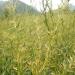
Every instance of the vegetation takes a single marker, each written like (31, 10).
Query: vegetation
(41, 44)
(18, 7)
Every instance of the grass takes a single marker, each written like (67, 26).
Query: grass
(28, 46)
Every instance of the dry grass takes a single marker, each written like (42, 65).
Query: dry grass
(27, 47)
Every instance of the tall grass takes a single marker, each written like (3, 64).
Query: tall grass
(38, 45)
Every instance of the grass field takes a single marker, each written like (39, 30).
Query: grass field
(30, 46)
